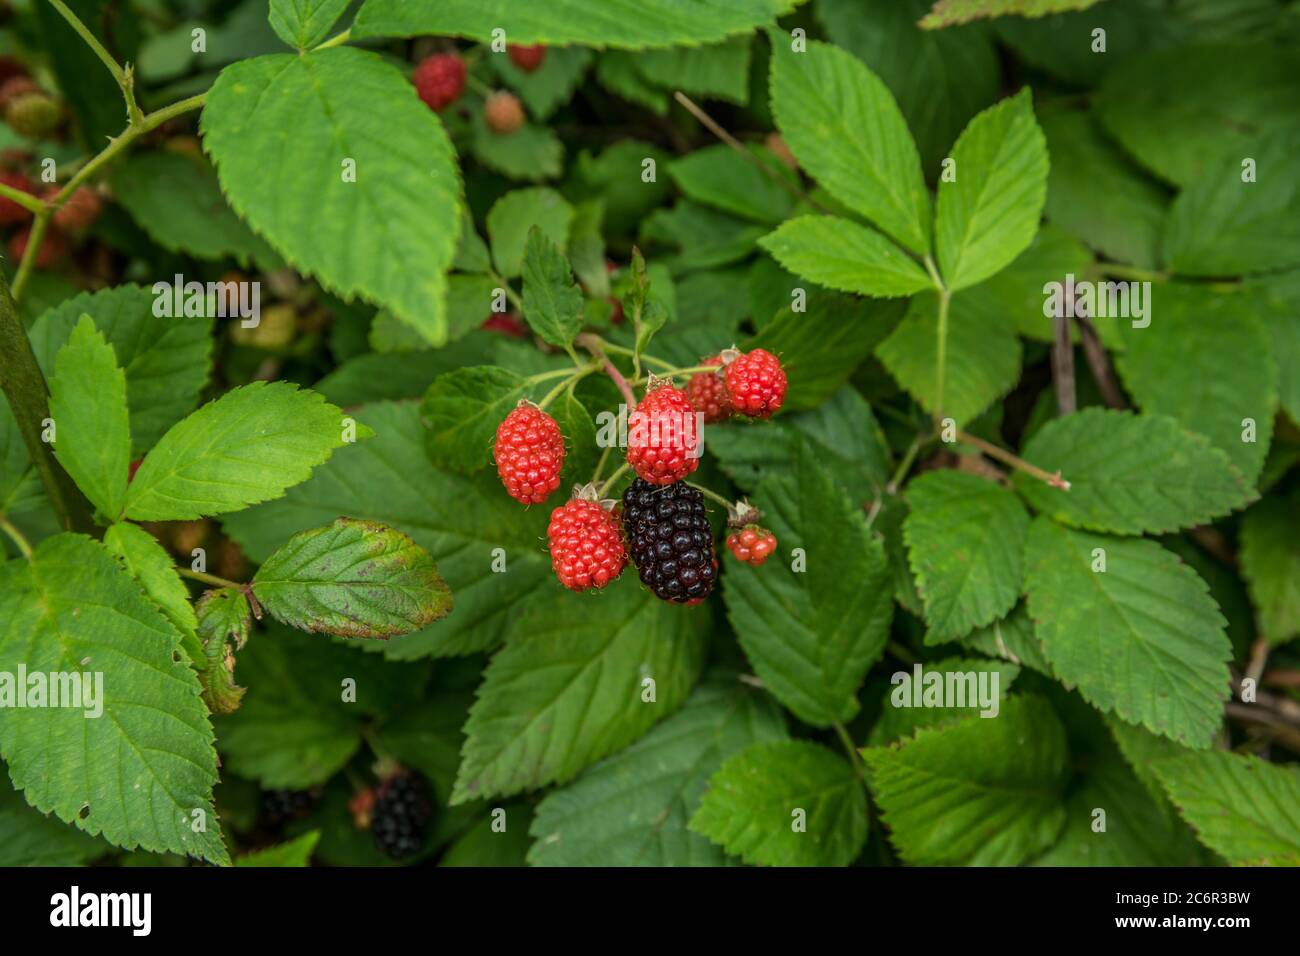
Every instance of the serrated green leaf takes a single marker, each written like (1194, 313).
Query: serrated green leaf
(460, 521)
(552, 302)
(390, 231)
(166, 360)
(246, 447)
(812, 633)
(988, 213)
(707, 239)
(719, 70)
(1279, 298)
(1011, 639)
(304, 23)
(966, 536)
(513, 217)
(531, 153)
(1206, 360)
(1243, 808)
(631, 24)
(903, 708)
(751, 805)
(550, 85)
(1129, 474)
(88, 406)
(1143, 638)
(567, 687)
(224, 621)
(842, 255)
(580, 449)
(462, 410)
(983, 355)
(30, 838)
(981, 792)
(1270, 563)
(946, 13)
(146, 560)
(631, 809)
(139, 771)
(718, 176)
(295, 852)
(353, 578)
(843, 125)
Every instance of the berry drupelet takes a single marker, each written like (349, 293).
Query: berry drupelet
(670, 540)
(402, 810)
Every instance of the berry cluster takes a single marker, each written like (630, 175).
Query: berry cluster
(751, 544)
(440, 81)
(400, 814)
(749, 383)
(282, 806)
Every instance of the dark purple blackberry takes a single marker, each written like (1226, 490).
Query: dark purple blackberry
(281, 806)
(403, 807)
(670, 540)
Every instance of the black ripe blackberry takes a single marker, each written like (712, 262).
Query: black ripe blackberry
(403, 807)
(281, 806)
(670, 540)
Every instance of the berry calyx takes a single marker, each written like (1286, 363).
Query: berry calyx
(752, 544)
(756, 383)
(662, 436)
(10, 212)
(52, 250)
(529, 454)
(401, 812)
(708, 393)
(79, 212)
(503, 113)
(440, 80)
(670, 540)
(586, 544)
(527, 58)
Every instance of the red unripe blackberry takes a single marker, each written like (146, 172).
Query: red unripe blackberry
(80, 211)
(529, 454)
(662, 436)
(527, 58)
(586, 543)
(708, 393)
(53, 248)
(401, 812)
(440, 80)
(10, 212)
(670, 540)
(756, 383)
(505, 323)
(15, 86)
(503, 112)
(752, 544)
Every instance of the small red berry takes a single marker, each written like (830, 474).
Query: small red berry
(615, 310)
(586, 543)
(756, 383)
(708, 393)
(529, 453)
(131, 469)
(15, 86)
(663, 438)
(80, 211)
(505, 323)
(527, 58)
(440, 80)
(10, 212)
(752, 544)
(503, 113)
(52, 249)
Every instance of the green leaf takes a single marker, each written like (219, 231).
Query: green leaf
(166, 360)
(1143, 638)
(1018, 289)
(983, 356)
(1280, 303)
(142, 769)
(88, 407)
(989, 212)
(941, 78)
(20, 487)
(1270, 563)
(1206, 360)
(965, 535)
(224, 622)
(513, 217)
(1129, 474)
(1243, 808)
(460, 521)
(567, 687)
(552, 302)
(980, 792)
(755, 799)
(580, 449)
(618, 73)
(531, 153)
(176, 200)
(904, 710)
(549, 86)
(1085, 164)
(247, 446)
(948, 12)
(354, 578)
(304, 23)
(630, 24)
(812, 633)
(484, 846)
(842, 255)
(30, 838)
(388, 233)
(1011, 639)
(296, 852)
(720, 70)
(720, 177)
(1223, 225)
(843, 125)
(462, 410)
(631, 809)
(146, 560)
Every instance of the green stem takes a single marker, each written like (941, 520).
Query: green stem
(29, 400)
(904, 466)
(208, 578)
(713, 495)
(24, 546)
(501, 282)
(91, 41)
(600, 465)
(933, 270)
(622, 350)
(337, 40)
(33, 204)
(609, 482)
(478, 86)
(941, 358)
(594, 344)
(855, 758)
(34, 240)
